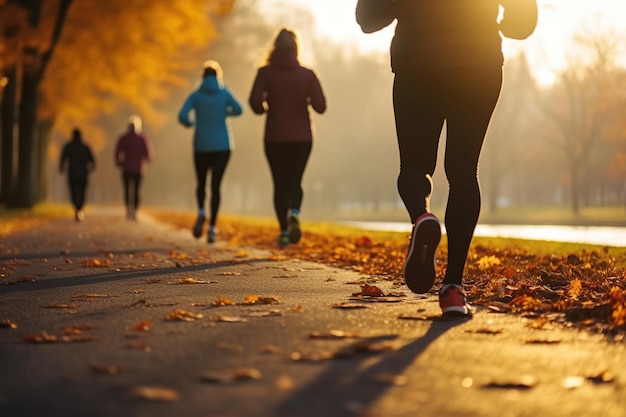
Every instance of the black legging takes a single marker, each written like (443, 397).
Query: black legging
(287, 161)
(132, 185)
(465, 99)
(77, 192)
(216, 162)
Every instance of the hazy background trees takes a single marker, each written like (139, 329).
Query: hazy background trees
(562, 144)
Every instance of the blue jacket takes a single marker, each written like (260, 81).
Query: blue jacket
(211, 104)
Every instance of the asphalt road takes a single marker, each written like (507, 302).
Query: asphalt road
(116, 318)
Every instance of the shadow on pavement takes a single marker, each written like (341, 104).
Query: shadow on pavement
(70, 281)
(348, 384)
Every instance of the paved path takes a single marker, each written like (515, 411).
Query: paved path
(103, 289)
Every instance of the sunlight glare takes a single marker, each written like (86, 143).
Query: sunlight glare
(548, 49)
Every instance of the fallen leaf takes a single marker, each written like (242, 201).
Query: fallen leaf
(78, 329)
(45, 337)
(524, 382)
(194, 281)
(61, 306)
(603, 377)
(255, 299)
(154, 393)
(230, 376)
(268, 313)
(229, 319)
(7, 324)
(542, 341)
(334, 334)
(141, 326)
(312, 356)
(223, 301)
(182, 315)
(95, 263)
(484, 330)
(370, 291)
(349, 306)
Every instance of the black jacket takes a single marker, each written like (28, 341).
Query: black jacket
(79, 159)
(447, 33)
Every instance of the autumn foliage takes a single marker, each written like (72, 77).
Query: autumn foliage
(586, 289)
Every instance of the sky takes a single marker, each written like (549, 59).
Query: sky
(547, 49)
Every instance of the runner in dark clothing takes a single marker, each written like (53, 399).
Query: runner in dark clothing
(284, 90)
(447, 59)
(132, 153)
(77, 159)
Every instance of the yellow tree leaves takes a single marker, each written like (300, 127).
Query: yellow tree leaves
(122, 51)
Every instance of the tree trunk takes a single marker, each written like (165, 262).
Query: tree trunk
(43, 133)
(27, 171)
(7, 124)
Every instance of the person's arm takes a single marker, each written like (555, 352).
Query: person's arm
(316, 95)
(519, 19)
(257, 95)
(374, 15)
(183, 114)
(91, 161)
(233, 107)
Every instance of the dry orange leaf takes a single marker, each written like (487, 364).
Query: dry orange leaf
(61, 306)
(194, 281)
(370, 291)
(183, 315)
(223, 301)
(179, 255)
(45, 337)
(7, 324)
(334, 334)
(154, 393)
(142, 326)
(96, 263)
(255, 299)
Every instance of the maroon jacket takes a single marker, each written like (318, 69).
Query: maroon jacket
(284, 90)
(132, 152)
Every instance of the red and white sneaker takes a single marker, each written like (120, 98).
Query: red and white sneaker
(420, 264)
(453, 302)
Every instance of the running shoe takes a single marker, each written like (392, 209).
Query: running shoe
(453, 302)
(212, 235)
(197, 228)
(420, 264)
(294, 227)
(283, 240)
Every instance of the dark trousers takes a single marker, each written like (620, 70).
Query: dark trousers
(216, 162)
(78, 189)
(132, 186)
(287, 163)
(465, 99)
